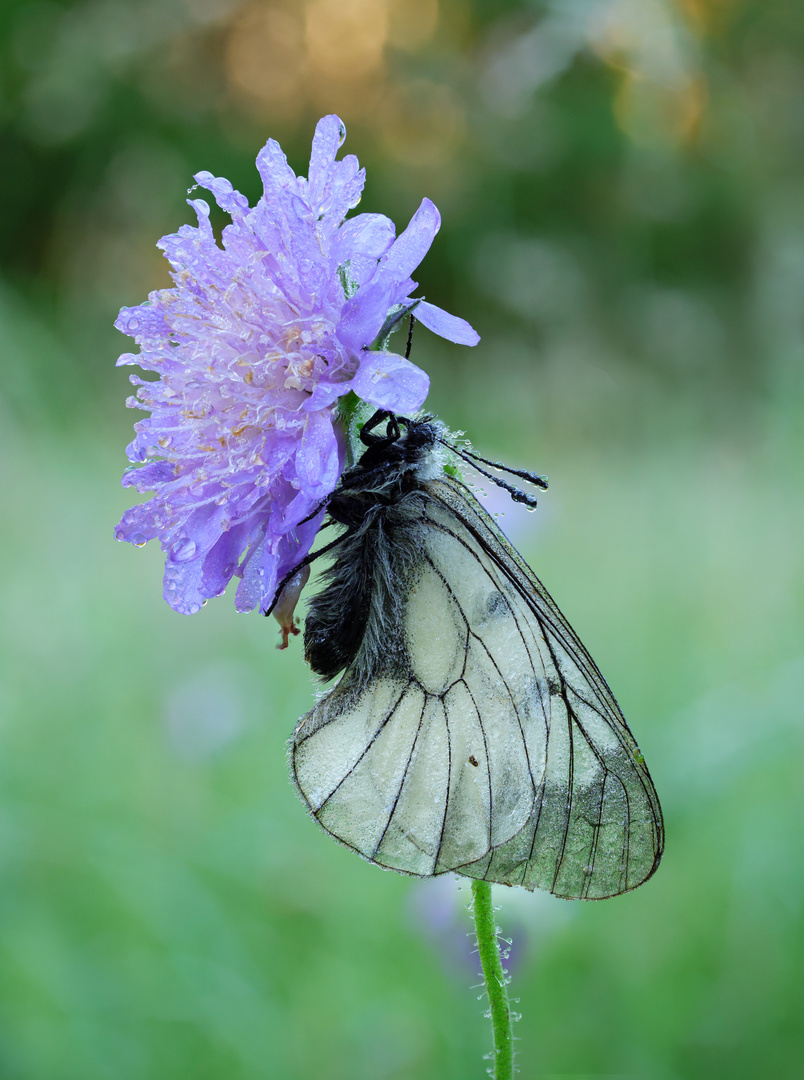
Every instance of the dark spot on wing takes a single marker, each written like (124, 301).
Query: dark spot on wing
(496, 604)
(473, 760)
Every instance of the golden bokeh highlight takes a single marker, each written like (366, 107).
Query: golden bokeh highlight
(411, 23)
(422, 123)
(663, 93)
(694, 13)
(345, 39)
(708, 16)
(265, 57)
(283, 58)
(652, 114)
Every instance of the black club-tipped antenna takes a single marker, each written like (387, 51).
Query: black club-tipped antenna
(517, 494)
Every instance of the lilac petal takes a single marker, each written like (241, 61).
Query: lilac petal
(276, 174)
(317, 463)
(412, 245)
(182, 586)
(330, 135)
(136, 526)
(226, 196)
(391, 382)
(363, 315)
(150, 476)
(221, 562)
(259, 574)
(333, 187)
(291, 551)
(367, 234)
(285, 519)
(141, 323)
(204, 524)
(326, 394)
(445, 325)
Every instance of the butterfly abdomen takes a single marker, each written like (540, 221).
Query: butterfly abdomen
(336, 618)
(357, 615)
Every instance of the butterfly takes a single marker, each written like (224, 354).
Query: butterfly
(469, 731)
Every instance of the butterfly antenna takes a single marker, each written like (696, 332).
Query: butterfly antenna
(516, 493)
(523, 474)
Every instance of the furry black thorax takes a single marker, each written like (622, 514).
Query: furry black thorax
(355, 620)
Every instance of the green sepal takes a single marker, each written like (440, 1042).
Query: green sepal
(392, 320)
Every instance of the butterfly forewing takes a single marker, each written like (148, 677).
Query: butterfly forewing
(596, 829)
(492, 746)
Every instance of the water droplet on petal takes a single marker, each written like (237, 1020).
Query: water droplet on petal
(183, 551)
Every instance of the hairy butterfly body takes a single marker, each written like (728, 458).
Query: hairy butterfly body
(470, 730)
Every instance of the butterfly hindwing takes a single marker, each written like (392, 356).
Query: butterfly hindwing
(491, 746)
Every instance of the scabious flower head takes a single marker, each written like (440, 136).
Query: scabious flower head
(253, 347)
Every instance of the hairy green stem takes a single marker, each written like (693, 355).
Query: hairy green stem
(495, 980)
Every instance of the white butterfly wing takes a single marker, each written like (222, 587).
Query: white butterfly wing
(488, 743)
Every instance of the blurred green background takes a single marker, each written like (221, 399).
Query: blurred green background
(621, 188)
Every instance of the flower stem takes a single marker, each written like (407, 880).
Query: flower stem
(495, 981)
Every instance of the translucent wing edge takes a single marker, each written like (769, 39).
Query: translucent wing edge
(456, 498)
(315, 715)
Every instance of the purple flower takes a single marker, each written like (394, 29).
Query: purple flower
(253, 346)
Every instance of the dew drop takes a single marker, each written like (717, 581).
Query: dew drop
(183, 551)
